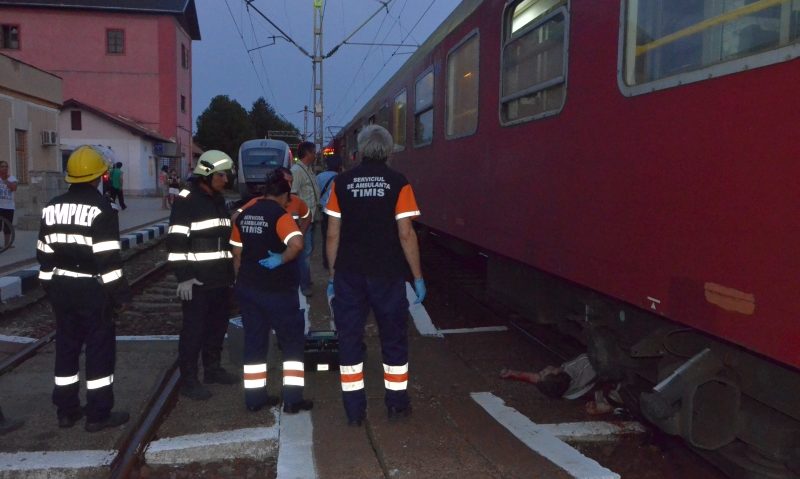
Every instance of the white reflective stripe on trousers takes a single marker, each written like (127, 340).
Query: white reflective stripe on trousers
(66, 380)
(293, 374)
(100, 383)
(352, 377)
(45, 275)
(255, 375)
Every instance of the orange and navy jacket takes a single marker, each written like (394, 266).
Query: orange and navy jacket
(261, 227)
(369, 200)
(296, 207)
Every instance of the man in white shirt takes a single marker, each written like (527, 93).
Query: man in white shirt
(8, 185)
(305, 186)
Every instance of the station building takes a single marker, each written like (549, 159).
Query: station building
(30, 99)
(126, 64)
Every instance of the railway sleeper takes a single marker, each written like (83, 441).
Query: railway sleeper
(733, 407)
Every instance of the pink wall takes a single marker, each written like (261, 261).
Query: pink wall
(144, 83)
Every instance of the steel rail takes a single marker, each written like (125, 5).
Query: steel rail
(32, 348)
(134, 443)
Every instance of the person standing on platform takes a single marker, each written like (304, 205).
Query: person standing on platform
(324, 181)
(116, 185)
(163, 182)
(199, 251)
(371, 247)
(266, 243)
(8, 185)
(306, 187)
(81, 272)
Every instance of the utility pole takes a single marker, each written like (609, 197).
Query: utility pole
(317, 77)
(305, 122)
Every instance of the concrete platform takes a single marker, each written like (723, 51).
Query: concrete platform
(41, 448)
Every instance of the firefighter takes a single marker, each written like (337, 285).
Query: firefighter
(199, 252)
(371, 247)
(81, 271)
(266, 243)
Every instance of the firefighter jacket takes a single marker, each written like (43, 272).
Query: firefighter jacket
(198, 239)
(79, 238)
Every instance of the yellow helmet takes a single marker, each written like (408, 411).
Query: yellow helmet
(213, 161)
(84, 165)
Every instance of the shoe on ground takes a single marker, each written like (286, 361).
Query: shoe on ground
(395, 413)
(192, 389)
(218, 375)
(295, 407)
(270, 402)
(357, 422)
(69, 420)
(10, 425)
(115, 419)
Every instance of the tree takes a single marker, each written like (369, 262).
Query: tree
(263, 118)
(224, 126)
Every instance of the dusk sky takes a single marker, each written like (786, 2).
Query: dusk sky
(282, 74)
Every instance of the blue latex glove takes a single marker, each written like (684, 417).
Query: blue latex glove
(419, 288)
(329, 291)
(272, 261)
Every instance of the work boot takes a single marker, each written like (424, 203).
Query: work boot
(218, 375)
(396, 413)
(270, 402)
(8, 425)
(117, 418)
(296, 407)
(192, 389)
(69, 420)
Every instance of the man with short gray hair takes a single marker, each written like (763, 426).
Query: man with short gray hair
(372, 247)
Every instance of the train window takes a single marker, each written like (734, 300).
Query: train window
(423, 109)
(462, 87)
(399, 121)
(534, 62)
(668, 43)
(383, 116)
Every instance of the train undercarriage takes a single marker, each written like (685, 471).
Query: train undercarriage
(739, 410)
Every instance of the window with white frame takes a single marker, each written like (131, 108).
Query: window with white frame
(423, 110)
(399, 110)
(462, 88)
(534, 60)
(665, 38)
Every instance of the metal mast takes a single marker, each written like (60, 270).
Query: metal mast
(317, 77)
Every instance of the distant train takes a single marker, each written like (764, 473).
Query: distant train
(256, 159)
(629, 169)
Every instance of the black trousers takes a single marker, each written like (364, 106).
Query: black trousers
(117, 193)
(205, 322)
(83, 317)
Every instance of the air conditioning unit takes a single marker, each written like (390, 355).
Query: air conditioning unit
(49, 137)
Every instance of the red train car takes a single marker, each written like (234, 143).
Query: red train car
(637, 161)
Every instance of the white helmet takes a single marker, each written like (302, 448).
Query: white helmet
(213, 161)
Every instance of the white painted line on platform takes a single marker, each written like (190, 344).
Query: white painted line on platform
(420, 316)
(593, 431)
(484, 329)
(17, 339)
(296, 447)
(252, 443)
(542, 441)
(163, 337)
(46, 460)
